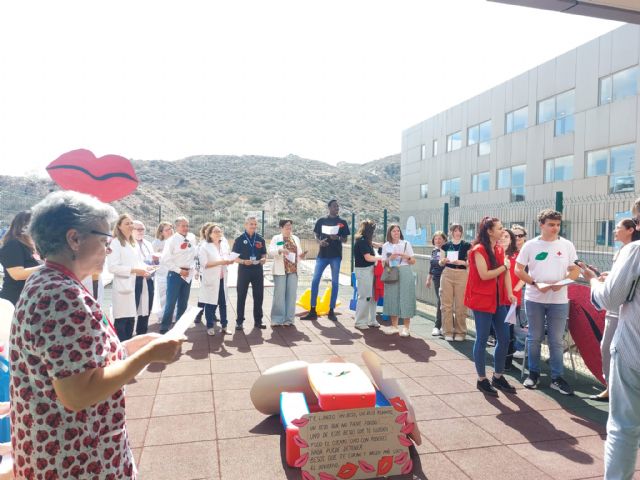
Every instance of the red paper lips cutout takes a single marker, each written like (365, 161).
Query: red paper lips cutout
(108, 178)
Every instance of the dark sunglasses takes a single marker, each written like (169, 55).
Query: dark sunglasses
(520, 235)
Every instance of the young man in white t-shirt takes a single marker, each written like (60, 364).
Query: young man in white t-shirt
(549, 259)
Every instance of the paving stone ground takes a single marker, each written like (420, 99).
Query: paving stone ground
(194, 419)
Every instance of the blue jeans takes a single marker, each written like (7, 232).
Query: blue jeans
(177, 292)
(210, 309)
(554, 316)
(484, 322)
(321, 264)
(623, 426)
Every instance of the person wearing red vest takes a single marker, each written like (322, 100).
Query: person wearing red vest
(488, 294)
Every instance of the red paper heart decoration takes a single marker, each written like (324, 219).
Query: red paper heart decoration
(108, 178)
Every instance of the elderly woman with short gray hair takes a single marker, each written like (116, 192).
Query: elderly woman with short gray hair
(68, 368)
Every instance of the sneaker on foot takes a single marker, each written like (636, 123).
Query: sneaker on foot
(224, 331)
(405, 332)
(485, 387)
(211, 331)
(531, 381)
(562, 386)
(374, 325)
(448, 338)
(311, 315)
(392, 331)
(362, 327)
(502, 384)
(491, 341)
(260, 326)
(332, 316)
(518, 354)
(239, 327)
(435, 332)
(459, 338)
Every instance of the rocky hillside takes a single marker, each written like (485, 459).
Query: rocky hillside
(226, 188)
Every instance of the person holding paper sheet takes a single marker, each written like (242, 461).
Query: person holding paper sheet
(179, 256)
(68, 367)
(144, 284)
(125, 265)
(509, 244)
(286, 252)
(435, 273)
(163, 233)
(252, 256)
(400, 296)
(452, 285)
(488, 294)
(213, 255)
(331, 232)
(365, 260)
(550, 259)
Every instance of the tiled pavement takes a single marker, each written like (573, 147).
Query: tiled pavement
(193, 419)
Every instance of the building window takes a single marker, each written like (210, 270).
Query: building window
(619, 85)
(517, 120)
(480, 134)
(604, 232)
(451, 188)
(424, 190)
(470, 231)
(423, 152)
(454, 141)
(618, 163)
(513, 178)
(561, 109)
(435, 148)
(558, 169)
(480, 182)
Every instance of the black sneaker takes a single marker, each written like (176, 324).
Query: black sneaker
(561, 385)
(491, 341)
(239, 327)
(332, 316)
(199, 317)
(532, 380)
(311, 315)
(485, 387)
(502, 384)
(261, 326)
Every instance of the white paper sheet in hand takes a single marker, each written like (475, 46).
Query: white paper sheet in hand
(452, 255)
(329, 230)
(291, 257)
(511, 315)
(231, 256)
(187, 319)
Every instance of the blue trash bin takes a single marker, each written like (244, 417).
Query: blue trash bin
(5, 425)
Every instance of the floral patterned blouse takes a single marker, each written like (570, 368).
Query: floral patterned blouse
(58, 331)
(290, 245)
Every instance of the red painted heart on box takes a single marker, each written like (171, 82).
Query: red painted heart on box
(108, 178)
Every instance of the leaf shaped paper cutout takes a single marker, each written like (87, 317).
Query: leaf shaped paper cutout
(542, 255)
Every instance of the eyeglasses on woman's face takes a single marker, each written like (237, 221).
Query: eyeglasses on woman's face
(520, 235)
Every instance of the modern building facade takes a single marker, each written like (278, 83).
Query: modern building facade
(570, 125)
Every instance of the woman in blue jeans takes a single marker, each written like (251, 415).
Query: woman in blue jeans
(488, 293)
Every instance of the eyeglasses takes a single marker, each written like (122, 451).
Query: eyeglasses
(520, 235)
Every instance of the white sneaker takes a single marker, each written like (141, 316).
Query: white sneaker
(435, 332)
(392, 331)
(405, 332)
(459, 338)
(211, 332)
(362, 327)
(518, 354)
(449, 338)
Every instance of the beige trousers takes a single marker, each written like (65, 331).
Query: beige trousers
(452, 285)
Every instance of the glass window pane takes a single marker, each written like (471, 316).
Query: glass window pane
(423, 151)
(621, 183)
(520, 119)
(455, 186)
(424, 190)
(473, 135)
(517, 194)
(546, 110)
(435, 148)
(605, 90)
(504, 178)
(565, 104)
(484, 148)
(517, 176)
(563, 168)
(444, 189)
(454, 141)
(474, 182)
(601, 233)
(625, 83)
(485, 131)
(597, 163)
(623, 159)
(564, 125)
(508, 124)
(484, 182)
(548, 171)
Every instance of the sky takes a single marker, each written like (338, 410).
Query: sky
(330, 80)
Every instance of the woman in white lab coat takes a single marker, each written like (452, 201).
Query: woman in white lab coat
(213, 255)
(124, 265)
